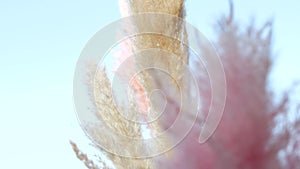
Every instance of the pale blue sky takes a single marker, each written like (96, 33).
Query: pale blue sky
(40, 42)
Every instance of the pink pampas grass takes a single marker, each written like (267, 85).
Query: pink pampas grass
(248, 136)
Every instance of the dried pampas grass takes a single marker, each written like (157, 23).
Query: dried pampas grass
(246, 137)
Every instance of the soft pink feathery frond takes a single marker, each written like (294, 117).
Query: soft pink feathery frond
(245, 138)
